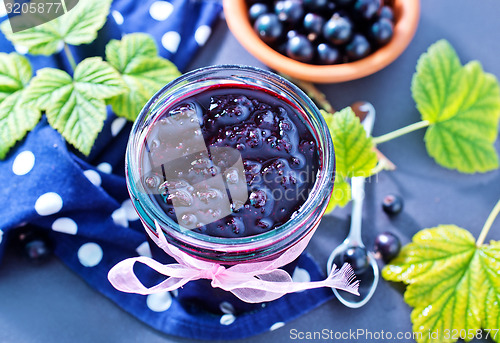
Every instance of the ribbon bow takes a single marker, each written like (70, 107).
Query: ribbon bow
(251, 282)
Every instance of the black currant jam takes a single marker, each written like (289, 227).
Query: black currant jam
(230, 161)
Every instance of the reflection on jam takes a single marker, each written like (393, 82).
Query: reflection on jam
(193, 150)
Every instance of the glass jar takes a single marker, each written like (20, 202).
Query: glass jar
(230, 251)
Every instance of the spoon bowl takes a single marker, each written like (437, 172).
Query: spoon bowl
(375, 277)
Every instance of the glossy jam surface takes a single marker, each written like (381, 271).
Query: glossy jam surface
(230, 161)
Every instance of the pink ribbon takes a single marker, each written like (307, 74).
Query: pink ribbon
(251, 282)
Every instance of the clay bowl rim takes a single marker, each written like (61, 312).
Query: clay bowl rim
(407, 13)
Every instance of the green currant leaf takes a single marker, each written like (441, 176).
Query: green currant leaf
(489, 258)
(142, 70)
(341, 195)
(78, 117)
(98, 79)
(429, 248)
(437, 83)
(120, 53)
(453, 284)
(462, 105)
(16, 117)
(354, 152)
(44, 86)
(76, 27)
(465, 141)
(15, 73)
(75, 106)
(81, 24)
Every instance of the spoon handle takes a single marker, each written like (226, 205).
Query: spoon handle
(358, 194)
(358, 184)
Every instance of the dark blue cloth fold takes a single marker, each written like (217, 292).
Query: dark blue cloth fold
(83, 202)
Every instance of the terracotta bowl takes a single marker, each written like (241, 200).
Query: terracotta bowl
(407, 13)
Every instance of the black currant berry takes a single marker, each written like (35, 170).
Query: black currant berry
(316, 4)
(344, 2)
(290, 11)
(387, 245)
(327, 54)
(300, 48)
(251, 2)
(313, 23)
(268, 27)
(34, 244)
(330, 8)
(368, 8)
(291, 34)
(338, 30)
(392, 204)
(358, 48)
(357, 257)
(382, 31)
(37, 250)
(386, 12)
(256, 10)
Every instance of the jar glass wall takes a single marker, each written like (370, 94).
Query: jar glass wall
(224, 250)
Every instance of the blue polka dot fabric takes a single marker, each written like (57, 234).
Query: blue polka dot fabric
(83, 204)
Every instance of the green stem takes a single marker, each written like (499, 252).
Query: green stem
(70, 57)
(378, 168)
(400, 132)
(487, 224)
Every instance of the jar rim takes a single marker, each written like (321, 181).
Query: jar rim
(290, 230)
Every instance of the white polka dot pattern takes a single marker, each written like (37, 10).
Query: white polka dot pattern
(161, 10)
(202, 34)
(144, 249)
(105, 167)
(227, 319)
(23, 163)
(60, 46)
(130, 212)
(21, 49)
(117, 125)
(226, 307)
(171, 41)
(276, 326)
(48, 203)
(301, 275)
(90, 254)
(65, 225)
(159, 302)
(119, 216)
(93, 177)
(117, 16)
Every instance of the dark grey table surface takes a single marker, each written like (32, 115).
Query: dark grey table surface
(49, 303)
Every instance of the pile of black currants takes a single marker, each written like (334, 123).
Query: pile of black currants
(323, 31)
